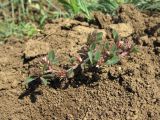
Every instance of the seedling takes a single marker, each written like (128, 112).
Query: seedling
(47, 70)
(76, 7)
(50, 70)
(110, 54)
(8, 29)
(110, 6)
(151, 5)
(93, 55)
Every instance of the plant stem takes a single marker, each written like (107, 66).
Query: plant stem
(23, 8)
(12, 7)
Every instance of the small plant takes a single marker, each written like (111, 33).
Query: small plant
(93, 55)
(27, 29)
(46, 69)
(28, 10)
(152, 5)
(8, 29)
(50, 70)
(110, 6)
(98, 53)
(76, 7)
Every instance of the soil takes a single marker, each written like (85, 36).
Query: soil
(129, 90)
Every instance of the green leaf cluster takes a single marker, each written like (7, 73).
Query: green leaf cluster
(8, 29)
(94, 57)
(110, 6)
(45, 77)
(76, 7)
(93, 54)
(52, 58)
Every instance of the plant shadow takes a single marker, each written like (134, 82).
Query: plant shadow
(151, 31)
(89, 79)
(31, 91)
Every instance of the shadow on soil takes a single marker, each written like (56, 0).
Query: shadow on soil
(31, 91)
(152, 30)
(90, 80)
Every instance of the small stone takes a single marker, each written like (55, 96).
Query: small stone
(69, 117)
(119, 68)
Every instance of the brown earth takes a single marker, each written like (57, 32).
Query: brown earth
(129, 90)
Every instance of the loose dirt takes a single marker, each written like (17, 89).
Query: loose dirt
(129, 90)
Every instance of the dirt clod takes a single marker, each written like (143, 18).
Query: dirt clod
(145, 40)
(103, 20)
(130, 14)
(124, 29)
(35, 48)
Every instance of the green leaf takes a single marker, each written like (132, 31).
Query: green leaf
(44, 67)
(43, 19)
(99, 36)
(70, 73)
(72, 59)
(120, 1)
(113, 60)
(109, 5)
(52, 58)
(86, 60)
(73, 6)
(66, 5)
(107, 45)
(90, 55)
(135, 49)
(113, 49)
(44, 81)
(83, 6)
(97, 56)
(30, 79)
(51, 55)
(92, 46)
(48, 76)
(115, 35)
